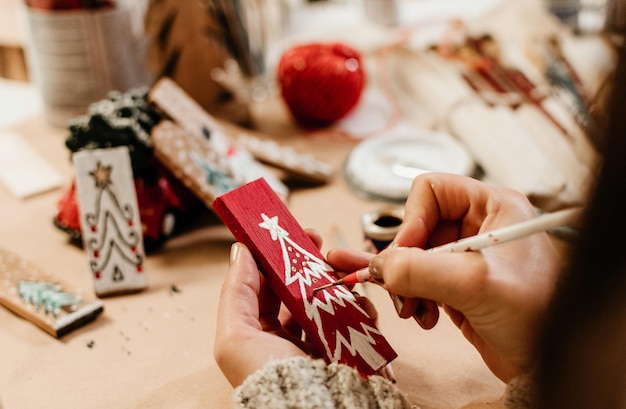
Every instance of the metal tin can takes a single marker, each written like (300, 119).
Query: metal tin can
(380, 227)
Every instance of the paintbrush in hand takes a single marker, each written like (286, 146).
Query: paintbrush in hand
(539, 224)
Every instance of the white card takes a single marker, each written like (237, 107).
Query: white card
(23, 170)
(109, 218)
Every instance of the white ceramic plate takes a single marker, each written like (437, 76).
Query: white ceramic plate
(384, 167)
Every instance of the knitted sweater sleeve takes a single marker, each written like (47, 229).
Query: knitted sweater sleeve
(521, 392)
(302, 382)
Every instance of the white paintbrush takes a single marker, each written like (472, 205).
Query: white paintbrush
(541, 223)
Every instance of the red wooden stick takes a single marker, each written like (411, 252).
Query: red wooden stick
(294, 267)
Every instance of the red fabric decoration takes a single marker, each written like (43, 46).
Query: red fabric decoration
(320, 83)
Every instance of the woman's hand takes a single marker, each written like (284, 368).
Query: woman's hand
(497, 296)
(252, 329)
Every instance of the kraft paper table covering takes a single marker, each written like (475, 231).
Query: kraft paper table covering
(154, 349)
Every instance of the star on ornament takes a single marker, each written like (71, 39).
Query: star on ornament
(101, 175)
(271, 224)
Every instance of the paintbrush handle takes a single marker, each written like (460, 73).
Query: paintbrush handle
(542, 223)
(359, 276)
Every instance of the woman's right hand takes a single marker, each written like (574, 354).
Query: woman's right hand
(496, 296)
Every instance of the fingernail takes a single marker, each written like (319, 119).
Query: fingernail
(398, 302)
(234, 251)
(376, 269)
(420, 314)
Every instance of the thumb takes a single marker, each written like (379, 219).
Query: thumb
(239, 295)
(448, 278)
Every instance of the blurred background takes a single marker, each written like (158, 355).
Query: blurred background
(418, 67)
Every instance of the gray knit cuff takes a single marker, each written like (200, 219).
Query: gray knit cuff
(521, 392)
(302, 382)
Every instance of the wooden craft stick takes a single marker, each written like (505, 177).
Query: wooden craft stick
(201, 169)
(110, 223)
(225, 136)
(502, 148)
(302, 165)
(42, 298)
(238, 163)
(333, 320)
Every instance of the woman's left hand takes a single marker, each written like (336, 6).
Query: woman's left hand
(250, 332)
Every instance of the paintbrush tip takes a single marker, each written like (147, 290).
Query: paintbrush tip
(315, 291)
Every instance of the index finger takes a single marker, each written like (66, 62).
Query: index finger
(473, 205)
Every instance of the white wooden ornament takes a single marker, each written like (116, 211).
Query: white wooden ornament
(109, 218)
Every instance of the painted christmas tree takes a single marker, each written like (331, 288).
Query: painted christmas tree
(111, 228)
(47, 295)
(305, 271)
(114, 245)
